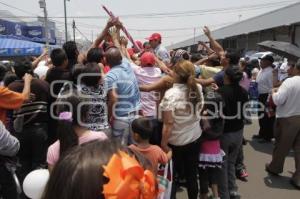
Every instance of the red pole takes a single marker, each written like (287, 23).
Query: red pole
(123, 29)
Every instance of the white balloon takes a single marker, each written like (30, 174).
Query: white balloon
(35, 183)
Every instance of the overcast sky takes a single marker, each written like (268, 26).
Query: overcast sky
(140, 24)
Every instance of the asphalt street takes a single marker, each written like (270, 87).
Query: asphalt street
(260, 184)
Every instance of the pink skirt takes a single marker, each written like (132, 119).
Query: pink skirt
(211, 154)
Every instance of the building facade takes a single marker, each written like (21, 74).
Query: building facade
(279, 25)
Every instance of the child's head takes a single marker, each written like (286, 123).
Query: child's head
(142, 129)
(72, 113)
(93, 169)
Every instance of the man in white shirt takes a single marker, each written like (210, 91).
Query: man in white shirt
(283, 71)
(160, 51)
(265, 84)
(287, 131)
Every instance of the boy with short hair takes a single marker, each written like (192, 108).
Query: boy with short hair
(142, 130)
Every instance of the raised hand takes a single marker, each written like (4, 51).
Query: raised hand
(123, 41)
(207, 31)
(111, 22)
(113, 32)
(27, 78)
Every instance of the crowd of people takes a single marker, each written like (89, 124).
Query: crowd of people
(103, 121)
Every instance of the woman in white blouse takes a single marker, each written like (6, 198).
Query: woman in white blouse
(180, 111)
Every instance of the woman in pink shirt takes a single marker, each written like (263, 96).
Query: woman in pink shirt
(70, 129)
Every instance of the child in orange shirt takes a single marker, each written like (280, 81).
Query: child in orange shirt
(142, 129)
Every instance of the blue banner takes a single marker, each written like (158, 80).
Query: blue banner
(24, 32)
(20, 52)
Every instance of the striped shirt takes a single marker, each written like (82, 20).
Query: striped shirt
(35, 111)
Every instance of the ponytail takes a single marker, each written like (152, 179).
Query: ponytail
(193, 92)
(68, 119)
(186, 72)
(66, 136)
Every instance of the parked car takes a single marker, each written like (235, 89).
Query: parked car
(278, 60)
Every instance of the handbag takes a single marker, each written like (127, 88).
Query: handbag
(165, 180)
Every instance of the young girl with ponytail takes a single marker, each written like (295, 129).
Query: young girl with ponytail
(180, 111)
(71, 112)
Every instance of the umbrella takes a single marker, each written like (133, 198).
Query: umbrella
(281, 48)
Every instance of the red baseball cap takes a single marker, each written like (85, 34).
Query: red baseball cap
(154, 36)
(147, 59)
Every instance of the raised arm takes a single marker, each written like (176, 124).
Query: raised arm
(104, 33)
(163, 67)
(214, 44)
(36, 62)
(119, 42)
(208, 49)
(26, 90)
(157, 86)
(201, 61)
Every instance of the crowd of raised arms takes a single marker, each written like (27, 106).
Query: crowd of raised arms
(121, 122)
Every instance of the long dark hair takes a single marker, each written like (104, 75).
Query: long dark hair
(69, 102)
(79, 175)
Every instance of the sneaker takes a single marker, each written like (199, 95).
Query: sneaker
(242, 175)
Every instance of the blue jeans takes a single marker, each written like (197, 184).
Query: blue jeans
(121, 129)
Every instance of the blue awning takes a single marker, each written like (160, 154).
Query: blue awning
(14, 47)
